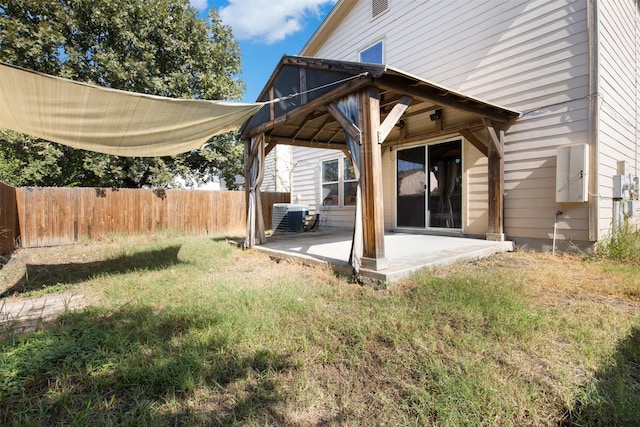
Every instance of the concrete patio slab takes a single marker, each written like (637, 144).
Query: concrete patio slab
(406, 253)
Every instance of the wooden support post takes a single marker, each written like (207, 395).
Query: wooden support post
(247, 169)
(371, 180)
(247, 186)
(496, 190)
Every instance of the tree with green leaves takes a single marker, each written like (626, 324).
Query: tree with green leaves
(157, 47)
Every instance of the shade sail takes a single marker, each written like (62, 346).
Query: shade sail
(111, 121)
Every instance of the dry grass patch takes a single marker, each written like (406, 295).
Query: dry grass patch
(191, 331)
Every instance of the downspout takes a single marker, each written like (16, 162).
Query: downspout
(594, 117)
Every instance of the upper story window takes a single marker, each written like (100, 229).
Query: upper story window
(378, 6)
(373, 54)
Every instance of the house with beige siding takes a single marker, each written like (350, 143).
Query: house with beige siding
(503, 119)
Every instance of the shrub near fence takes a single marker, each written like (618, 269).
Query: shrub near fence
(8, 218)
(56, 216)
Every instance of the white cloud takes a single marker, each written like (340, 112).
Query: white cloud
(268, 21)
(199, 5)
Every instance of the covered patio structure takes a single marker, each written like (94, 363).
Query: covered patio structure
(363, 109)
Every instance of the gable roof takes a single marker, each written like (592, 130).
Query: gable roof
(304, 86)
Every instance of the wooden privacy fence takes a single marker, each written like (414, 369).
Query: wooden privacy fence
(8, 218)
(57, 216)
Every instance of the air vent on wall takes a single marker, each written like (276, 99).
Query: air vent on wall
(378, 6)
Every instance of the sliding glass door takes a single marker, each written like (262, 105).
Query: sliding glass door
(411, 181)
(429, 186)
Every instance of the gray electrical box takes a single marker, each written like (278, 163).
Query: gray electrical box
(572, 171)
(619, 187)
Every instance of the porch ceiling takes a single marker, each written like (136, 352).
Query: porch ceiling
(304, 120)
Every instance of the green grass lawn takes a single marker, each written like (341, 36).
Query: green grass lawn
(185, 330)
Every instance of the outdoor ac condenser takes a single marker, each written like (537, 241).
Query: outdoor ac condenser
(288, 217)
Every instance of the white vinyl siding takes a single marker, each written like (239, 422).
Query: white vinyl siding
(475, 178)
(277, 174)
(617, 97)
(528, 55)
(307, 187)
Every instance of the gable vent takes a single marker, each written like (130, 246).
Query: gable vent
(378, 6)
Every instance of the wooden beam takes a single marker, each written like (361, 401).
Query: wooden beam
(419, 109)
(269, 147)
(371, 180)
(346, 124)
(393, 117)
(339, 92)
(428, 93)
(434, 134)
(475, 141)
(306, 143)
(247, 169)
(272, 106)
(497, 144)
(303, 85)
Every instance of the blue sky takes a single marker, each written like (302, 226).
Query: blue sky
(266, 30)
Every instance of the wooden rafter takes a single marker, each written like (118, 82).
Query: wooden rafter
(269, 147)
(301, 127)
(306, 143)
(336, 133)
(328, 119)
(452, 130)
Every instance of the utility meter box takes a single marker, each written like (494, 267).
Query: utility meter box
(620, 187)
(572, 174)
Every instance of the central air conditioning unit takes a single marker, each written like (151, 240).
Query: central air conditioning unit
(288, 217)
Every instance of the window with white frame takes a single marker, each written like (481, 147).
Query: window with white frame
(373, 54)
(349, 183)
(339, 183)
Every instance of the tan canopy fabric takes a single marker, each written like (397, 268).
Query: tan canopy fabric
(111, 121)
